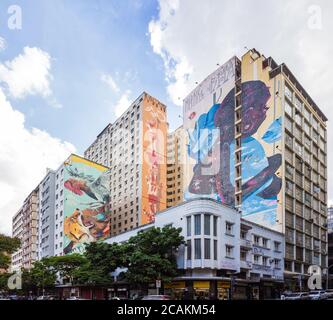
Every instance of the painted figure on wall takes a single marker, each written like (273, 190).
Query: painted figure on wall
(260, 183)
(87, 216)
(153, 158)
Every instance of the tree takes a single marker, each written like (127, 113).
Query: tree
(150, 255)
(8, 246)
(102, 260)
(66, 266)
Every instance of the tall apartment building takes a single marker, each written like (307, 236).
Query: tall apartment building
(25, 227)
(330, 219)
(46, 216)
(81, 211)
(17, 230)
(258, 142)
(134, 147)
(176, 155)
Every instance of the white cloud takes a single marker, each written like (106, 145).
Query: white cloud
(28, 73)
(107, 78)
(192, 39)
(24, 156)
(122, 104)
(3, 44)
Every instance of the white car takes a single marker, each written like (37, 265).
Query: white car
(318, 295)
(295, 296)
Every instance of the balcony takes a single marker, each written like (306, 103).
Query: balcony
(246, 243)
(245, 264)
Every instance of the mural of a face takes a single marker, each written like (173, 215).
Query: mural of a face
(255, 95)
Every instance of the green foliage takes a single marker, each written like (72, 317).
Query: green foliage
(8, 246)
(150, 255)
(40, 276)
(66, 266)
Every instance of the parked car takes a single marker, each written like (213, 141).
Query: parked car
(156, 297)
(296, 296)
(329, 293)
(318, 295)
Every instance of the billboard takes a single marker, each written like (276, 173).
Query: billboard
(154, 129)
(86, 204)
(261, 143)
(209, 118)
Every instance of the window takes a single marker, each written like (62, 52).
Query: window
(197, 224)
(207, 224)
(243, 255)
(189, 249)
(229, 251)
(277, 246)
(243, 234)
(229, 228)
(288, 109)
(264, 261)
(265, 242)
(215, 226)
(215, 249)
(207, 248)
(256, 259)
(188, 223)
(197, 248)
(256, 240)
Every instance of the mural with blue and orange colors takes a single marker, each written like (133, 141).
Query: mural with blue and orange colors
(209, 119)
(86, 204)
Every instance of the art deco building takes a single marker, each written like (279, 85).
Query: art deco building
(134, 147)
(176, 155)
(259, 143)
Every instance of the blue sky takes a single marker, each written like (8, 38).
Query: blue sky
(86, 39)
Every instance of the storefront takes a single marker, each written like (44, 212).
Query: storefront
(175, 289)
(201, 290)
(223, 290)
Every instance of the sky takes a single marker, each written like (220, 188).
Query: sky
(68, 68)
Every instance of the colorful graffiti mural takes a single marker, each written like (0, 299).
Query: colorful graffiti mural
(209, 113)
(213, 128)
(154, 162)
(86, 204)
(260, 184)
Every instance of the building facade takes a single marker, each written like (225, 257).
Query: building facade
(17, 232)
(258, 142)
(224, 254)
(25, 228)
(46, 216)
(82, 205)
(176, 155)
(134, 147)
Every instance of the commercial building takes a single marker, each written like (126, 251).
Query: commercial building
(224, 254)
(176, 156)
(134, 147)
(258, 142)
(330, 246)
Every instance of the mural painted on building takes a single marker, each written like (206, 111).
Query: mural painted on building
(86, 204)
(260, 184)
(154, 159)
(209, 118)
